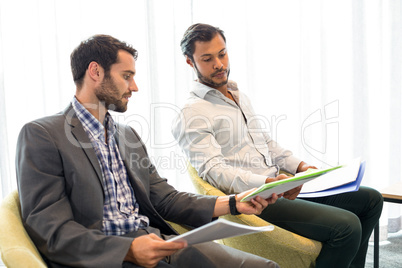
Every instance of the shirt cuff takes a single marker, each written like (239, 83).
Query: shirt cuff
(256, 180)
(291, 164)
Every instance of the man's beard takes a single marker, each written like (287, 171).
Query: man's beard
(208, 81)
(108, 93)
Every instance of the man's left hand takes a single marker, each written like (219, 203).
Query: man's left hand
(303, 167)
(293, 193)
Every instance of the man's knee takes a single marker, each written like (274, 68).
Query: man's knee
(376, 200)
(215, 255)
(347, 230)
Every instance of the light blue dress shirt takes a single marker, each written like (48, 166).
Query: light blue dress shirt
(226, 142)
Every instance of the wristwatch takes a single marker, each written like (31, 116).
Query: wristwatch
(232, 205)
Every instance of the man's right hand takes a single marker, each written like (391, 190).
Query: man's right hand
(148, 250)
(278, 178)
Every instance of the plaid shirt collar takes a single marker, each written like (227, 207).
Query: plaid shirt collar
(91, 124)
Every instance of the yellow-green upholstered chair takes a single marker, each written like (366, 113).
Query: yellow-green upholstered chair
(16, 247)
(289, 250)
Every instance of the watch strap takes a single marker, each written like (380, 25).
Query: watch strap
(232, 205)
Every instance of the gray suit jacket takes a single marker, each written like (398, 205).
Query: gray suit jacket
(61, 192)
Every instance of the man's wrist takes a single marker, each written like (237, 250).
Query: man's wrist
(232, 205)
(300, 167)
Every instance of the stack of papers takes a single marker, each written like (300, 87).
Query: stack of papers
(346, 179)
(218, 229)
(317, 182)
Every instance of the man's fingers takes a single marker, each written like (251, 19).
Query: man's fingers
(148, 250)
(273, 198)
(293, 193)
(260, 203)
(174, 245)
(282, 176)
(155, 237)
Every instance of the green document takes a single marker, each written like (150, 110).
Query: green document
(266, 190)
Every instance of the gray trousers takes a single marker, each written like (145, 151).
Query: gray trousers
(207, 255)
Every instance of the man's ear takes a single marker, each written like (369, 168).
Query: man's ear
(95, 71)
(189, 62)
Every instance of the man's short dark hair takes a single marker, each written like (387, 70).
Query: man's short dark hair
(198, 32)
(102, 49)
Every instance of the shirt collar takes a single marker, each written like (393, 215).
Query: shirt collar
(202, 90)
(91, 124)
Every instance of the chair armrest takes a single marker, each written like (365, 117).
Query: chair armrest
(17, 248)
(180, 228)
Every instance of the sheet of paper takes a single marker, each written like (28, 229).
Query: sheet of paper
(218, 229)
(348, 173)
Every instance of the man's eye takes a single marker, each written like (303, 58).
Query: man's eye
(222, 55)
(207, 59)
(127, 77)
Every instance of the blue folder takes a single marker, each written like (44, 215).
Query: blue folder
(349, 187)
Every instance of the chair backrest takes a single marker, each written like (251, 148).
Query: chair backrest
(201, 186)
(16, 247)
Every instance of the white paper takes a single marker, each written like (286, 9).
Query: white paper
(341, 176)
(218, 229)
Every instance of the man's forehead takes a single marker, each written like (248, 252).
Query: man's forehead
(216, 45)
(124, 60)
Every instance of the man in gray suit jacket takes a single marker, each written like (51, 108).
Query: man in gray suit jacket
(90, 196)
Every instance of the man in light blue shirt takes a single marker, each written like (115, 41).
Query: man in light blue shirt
(223, 139)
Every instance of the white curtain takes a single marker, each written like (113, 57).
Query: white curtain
(325, 75)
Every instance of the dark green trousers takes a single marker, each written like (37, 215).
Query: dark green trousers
(343, 223)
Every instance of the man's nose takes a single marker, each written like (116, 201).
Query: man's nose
(133, 86)
(218, 64)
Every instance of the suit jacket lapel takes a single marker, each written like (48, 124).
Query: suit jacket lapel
(141, 194)
(80, 138)
(125, 154)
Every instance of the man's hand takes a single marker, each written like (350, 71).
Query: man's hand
(278, 178)
(255, 205)
(148, 250)
(303, 167)
(293, 193)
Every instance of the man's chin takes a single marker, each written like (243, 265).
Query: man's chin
(214, 84)
(118, 108)
(221, 84)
